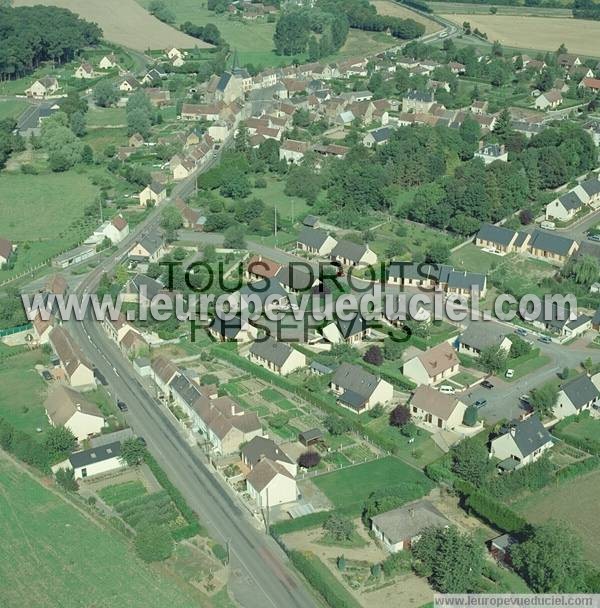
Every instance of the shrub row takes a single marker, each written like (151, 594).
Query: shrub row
(319, 577)
(588, 444)
(24, 447)
(494, 512)
(578, 468)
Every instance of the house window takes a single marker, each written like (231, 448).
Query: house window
(84, 472)
(439, 423)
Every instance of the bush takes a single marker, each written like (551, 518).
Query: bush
(154, 544)
(65, 478)
(220, 552)
(495, 513)
(309, 460)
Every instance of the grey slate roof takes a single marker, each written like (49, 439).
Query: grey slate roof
(153, 288)
(87, 457)
(151, 242)
(261, 447)
(381, 134)
(356, 325)
(570, 201)
(409, 521)
(272, 350)
(591, 186)
(312, 237)
(419, 95)
(530, 435)
(295, 276)
(496, 234)
(186, 389)
(553, 243)
(223, 81)
(322, 369)
(349, 250)
(311, 220)
(263, 289)
(580, 391)
(108, 438)
(355, 379)
(461, 279)
(228, 328)
(596, 318)
(482, 334)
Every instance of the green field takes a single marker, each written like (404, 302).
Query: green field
(351, 486)
(53, 555)
(113, 495)
(106, 117)
(23, 392)
(43, 214)
(11, 108)
(102, 137)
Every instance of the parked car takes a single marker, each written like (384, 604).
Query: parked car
(487, 384)
(545, 339)
(122, 406)
(521, 332)
(480, 403)
(525, 398)
(142, 441)
(548, 225)
(509, 373)
(594, 237)
(446, 389)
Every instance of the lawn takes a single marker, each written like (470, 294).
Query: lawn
(586, 428)
(527, 364)
(23, 392)
(54, 555)
(102, 137)
(578, 496)
(351, 486)
(11, 108)
(106, 117)
(472, 258)
(113, 495)
(44, 214)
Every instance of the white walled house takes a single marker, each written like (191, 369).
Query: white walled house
(576, 396)
(316, 241)
(358, 390)
(76, 368)
(436, 409)
(95, 461)
(270, 484)
(434, 365)
(520, 443)
(153, 194)
(278, 357)
(66, 407)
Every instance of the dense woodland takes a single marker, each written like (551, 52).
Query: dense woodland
(30, 35)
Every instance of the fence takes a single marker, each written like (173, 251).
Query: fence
(9, 331)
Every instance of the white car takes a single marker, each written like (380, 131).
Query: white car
(509, 373)
(446, 389)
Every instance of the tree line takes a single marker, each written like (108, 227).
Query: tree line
(30, 35)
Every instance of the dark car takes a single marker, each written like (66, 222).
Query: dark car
(520, 331)
(487, 384)
(545, 339)
(480, 403)
(122, 406)
(142, 441)
(594, 237)
(46, 375)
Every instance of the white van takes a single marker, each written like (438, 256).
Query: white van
(548, 225)
(446, 389)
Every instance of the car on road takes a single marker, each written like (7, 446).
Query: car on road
(122, 406)
(521, 332)
(525, 398)
(545, 339)
(446, 389)
(509, 373)
(480, 403)
(487, 384)
(46, 375)
(594, 237)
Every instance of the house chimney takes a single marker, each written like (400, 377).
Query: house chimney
(513, 430)
(411, 512)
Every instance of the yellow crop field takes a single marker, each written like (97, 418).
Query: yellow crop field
(537, 33)
(387, 7)
(125, 22)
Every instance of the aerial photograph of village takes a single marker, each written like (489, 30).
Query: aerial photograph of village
(299, 303)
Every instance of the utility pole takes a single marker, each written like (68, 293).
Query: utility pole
(275, 212)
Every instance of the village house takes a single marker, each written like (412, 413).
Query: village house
(108, 62)
(565, 207)
(296, 277)
(293, 151)
(589, 192)
(93, 461)
(348, 253)
(229, 87)
(174, 53)
(84, 71)
(162, 373)
(358, 390)
(153, 194)
(480, 335)
(259, 448)
(520, 443)
(400, 528)
(42, 329)
(576, 396)
(463, 284)
(437, 410)
(564, 323)
(77, 370)
(377, 137)
(128, 84)
(418, 101)
(184, 168)
(278, 357)
(153, 76)
(315, 241)
(67, 408)
(231, 330)
(270, 484)
(491, 153)
(432, 366)
(6, 251)
(259, 268)
(150, 248)
(117, 328)
(553, 248)
(549, 100)
(591, 84)
(47, 85)
(141, 289)
(500, 239)
(352, 331)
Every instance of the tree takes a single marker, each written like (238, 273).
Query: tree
(438, 253)
(78, 124)
(246, 211)
(544, 399)
(392, 349)
(160, 10)
(65, 478)
(374, 356)
(154, 543)
(502, 129)
(236, 186)
(493, 359)
(452, 561)
(339, 528)
(59, 442)
(309, 460)
(337, 425)
(470, 417)
(133, 452)
(234, 237)
(519, 347)
(400, 416)
(138, 121)
(470, 460)
(105, 94)
(291, 33)
(170, 221)
(550, 560)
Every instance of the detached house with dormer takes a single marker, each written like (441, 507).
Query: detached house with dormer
(576, 396)
(358, 390)
(278, 357)
(432, 366)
